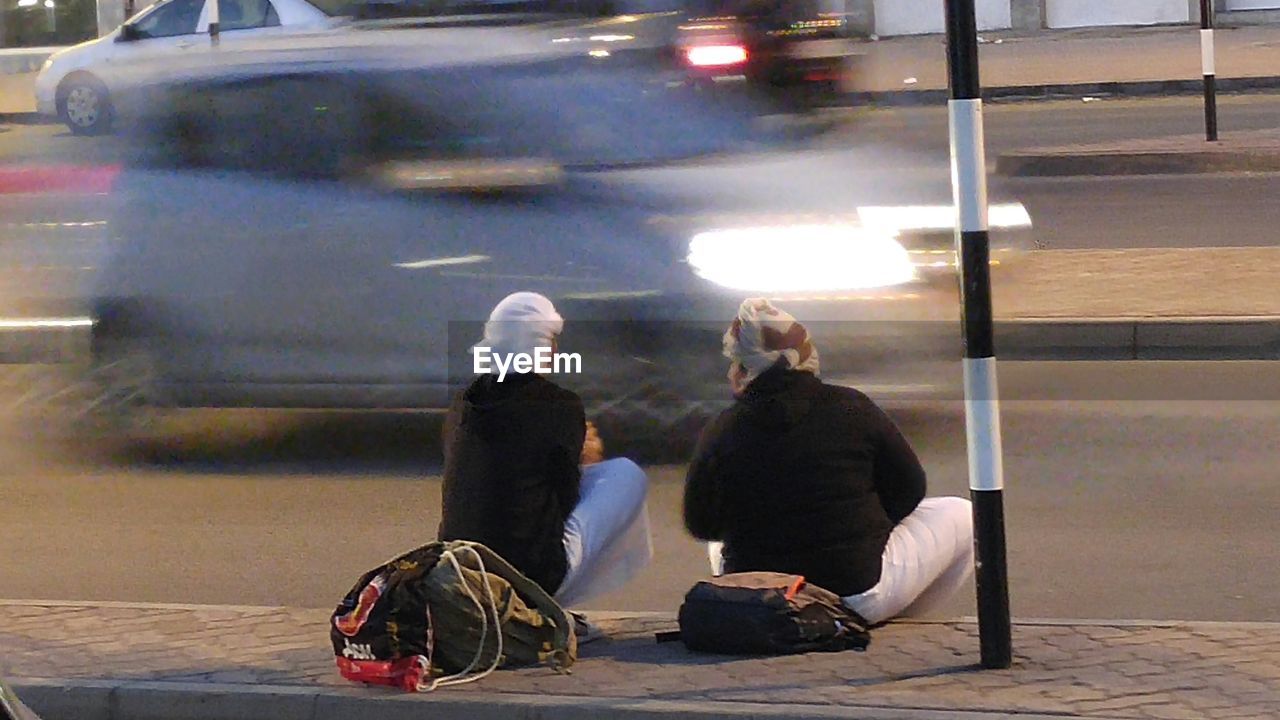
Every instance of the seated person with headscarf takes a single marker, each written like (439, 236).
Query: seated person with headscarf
(525, 473)
(811, 479)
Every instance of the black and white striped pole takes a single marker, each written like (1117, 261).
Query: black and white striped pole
(1207, 69)
(215, 26)
(982, 402)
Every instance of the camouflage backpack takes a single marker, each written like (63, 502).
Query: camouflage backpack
(443, 614)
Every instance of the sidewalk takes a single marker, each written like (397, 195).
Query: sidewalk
(134, 662)
(1135, 304)
(1093, 61)
(1238, 151)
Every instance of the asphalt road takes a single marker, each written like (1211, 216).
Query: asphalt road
(900, 157)
(1134, 490)
(1096, 212)
(1013, 125)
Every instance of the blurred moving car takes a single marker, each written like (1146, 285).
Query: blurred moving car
(11, 708)
(72, 85)
(778, 45)
(329, 228)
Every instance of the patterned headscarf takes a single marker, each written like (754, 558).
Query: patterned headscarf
(762, 335)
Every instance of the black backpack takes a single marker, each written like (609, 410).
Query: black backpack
(763, 613)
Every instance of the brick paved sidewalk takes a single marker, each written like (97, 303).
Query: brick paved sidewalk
(198, 662)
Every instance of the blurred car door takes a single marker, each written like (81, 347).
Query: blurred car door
(252, 255)
(291, 249)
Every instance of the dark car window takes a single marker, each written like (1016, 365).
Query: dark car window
(246, 14)
(337, 125)
(298, 126)
(574, 113)
(177, 17)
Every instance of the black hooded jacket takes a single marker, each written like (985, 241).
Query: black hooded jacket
(511, 471)
(803, 477)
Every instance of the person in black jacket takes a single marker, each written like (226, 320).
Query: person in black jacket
(525, 474)
(812, 479)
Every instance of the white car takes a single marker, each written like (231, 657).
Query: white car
(72, 85)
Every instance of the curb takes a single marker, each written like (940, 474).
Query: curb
(43, 346)
(1160, 162)
(100, 700)
(1059, 91)
(181, 699)
(25, 118)
(1026, 339)
(940, 96)
(1139, 338)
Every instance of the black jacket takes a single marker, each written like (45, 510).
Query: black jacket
(511, 471)
(803, 477)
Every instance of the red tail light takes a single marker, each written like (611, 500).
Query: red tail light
(716, 55)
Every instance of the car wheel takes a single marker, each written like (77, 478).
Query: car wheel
(84, 106)
(651, 404)
(119, 403)
(117, 387)
(650, 422)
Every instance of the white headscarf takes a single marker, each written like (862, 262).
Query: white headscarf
(520, 324)
(762, 335)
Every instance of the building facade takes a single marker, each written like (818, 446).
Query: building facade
(57, 23)
(54, 23)
(885, 18)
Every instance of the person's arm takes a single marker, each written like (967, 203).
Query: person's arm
(452, 421)
(703, 488)
(899, 477)
(571, 433)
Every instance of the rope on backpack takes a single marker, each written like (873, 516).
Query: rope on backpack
(468, 674)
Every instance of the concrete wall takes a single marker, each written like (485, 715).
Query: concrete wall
(917, 17)
(1027, 14)
(1090, 13)
(1248, 17)
(1253, 4)
(110, 15)
(18, 70)
(17, 93)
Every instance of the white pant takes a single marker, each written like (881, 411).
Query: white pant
(928, 557)
(606, 537)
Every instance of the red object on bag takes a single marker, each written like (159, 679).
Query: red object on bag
(795, 588)
(404, 673)
(351, 623)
